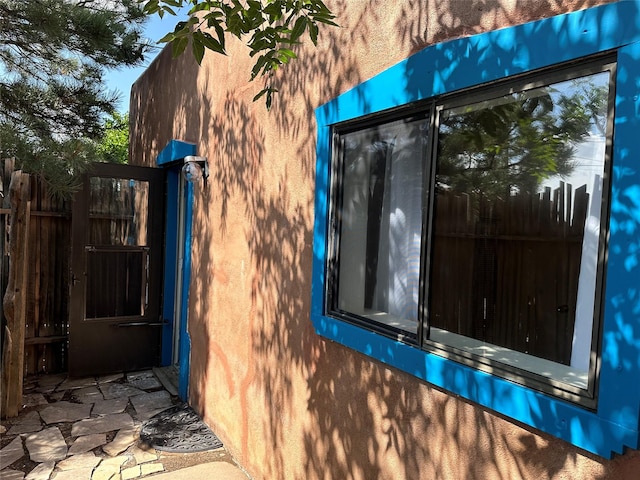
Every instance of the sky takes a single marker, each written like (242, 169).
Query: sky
(122, 79)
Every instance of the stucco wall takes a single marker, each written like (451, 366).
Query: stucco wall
(287, 403)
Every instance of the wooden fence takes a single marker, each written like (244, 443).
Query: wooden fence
(48, 250)
(506, 271)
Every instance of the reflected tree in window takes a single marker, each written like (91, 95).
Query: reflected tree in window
(513, 143)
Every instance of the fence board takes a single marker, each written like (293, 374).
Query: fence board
(15, 297)
(48, 273)
(490, 259)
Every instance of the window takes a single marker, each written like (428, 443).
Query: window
(496, 345)
(380, 223)
(486, 245)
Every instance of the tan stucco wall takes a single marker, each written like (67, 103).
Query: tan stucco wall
(287, 403)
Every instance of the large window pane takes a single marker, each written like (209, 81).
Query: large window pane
(381, 223)
(118, 211)
(116, 282)
(518, 196)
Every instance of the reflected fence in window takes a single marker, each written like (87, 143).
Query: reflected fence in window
(505, 272)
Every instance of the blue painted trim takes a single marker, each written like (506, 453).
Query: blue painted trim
(170, 262)
(173, 152)
(185, 339)
(472, 61)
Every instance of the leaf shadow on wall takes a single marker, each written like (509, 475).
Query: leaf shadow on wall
(361, 419)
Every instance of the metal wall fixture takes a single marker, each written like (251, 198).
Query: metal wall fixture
(195, 168)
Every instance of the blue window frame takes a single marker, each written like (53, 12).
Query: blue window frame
(612, 421)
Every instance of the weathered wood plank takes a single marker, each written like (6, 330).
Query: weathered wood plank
(15, 297)
(7, 357)
(46, 340)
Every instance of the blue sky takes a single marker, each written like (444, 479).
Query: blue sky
(122, 79)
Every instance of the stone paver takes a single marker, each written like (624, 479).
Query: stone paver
(33, 400)
(110, 378)
(149, 468)
(146, 415)
(49, 383)
(119, 390)
(86, 443)
(11, 453)
(47, 445)
(82, 460)
(211, 470)
(123, 439)
(110, 473)
(41, 472)
(142, 456)
(70, 384)
(109, 469)
(105, 407)
(28, 423)
(131, 472)
(46, 389)
(65, 412)
(51, 380)
(144, 380)
(12, 475)
(115, 462)
(104, 424)
(57, 396)
(150, 402)
(74, 458)
(77, 474)
(88, 394)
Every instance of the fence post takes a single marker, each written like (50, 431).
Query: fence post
(15, 299)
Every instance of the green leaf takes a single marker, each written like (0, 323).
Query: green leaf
(167, 38)
(209, 42)
(199, 7)
(326, 21)
(179, 45)
(288, 54)
(298, 28)
(268, 91)
(151, 7)
(220, 33)
(182, 29)
(260, 63)
(274, 10)
(269, 99)
(198, 48)
(234, 24)
(313, 33)
(260, 94)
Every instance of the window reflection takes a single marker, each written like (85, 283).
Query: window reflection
(381, 222)
(517, 214)
(118, 211)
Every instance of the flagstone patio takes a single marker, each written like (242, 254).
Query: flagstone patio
(89, 429)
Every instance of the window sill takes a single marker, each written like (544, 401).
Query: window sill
(406, 325)
(552, 370)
